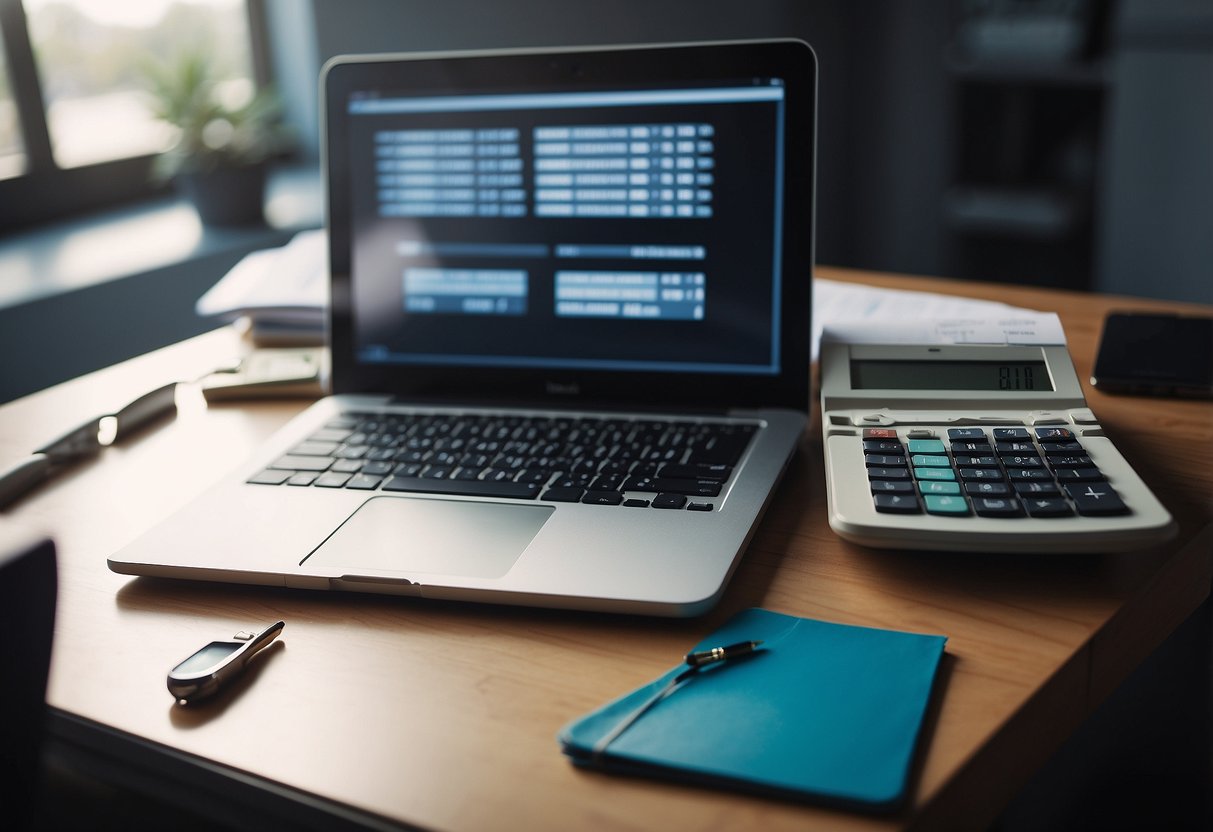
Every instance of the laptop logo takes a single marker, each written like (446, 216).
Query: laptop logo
(558, 388)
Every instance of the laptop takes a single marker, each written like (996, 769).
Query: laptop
(570, 317)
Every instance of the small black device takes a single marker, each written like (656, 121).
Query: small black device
(1156, 355)
(209, 669)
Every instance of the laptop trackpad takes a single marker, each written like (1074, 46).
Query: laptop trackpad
(445, 537)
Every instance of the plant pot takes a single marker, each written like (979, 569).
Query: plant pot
(226, 196)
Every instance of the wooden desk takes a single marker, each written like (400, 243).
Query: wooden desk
(445, 715)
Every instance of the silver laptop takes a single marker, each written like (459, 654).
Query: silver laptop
(569, 331)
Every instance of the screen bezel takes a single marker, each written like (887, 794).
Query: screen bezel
(790, 60)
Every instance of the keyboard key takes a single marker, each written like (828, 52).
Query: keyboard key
(462, 488)
(896, 504)
(331, 480)
(1016, 448)
(269, 477)
(945, 504)
(602, 498)
(1047, 507)
(939, 487)
(635, 502)
(314, 449)
(702, 471)
(302, 463)
(364, 482)
(997, 507)
(1077, 461)
(926, 446)
(932, 473)
(1095, 499)
(892, 487)
(699, 506)
(669, 501)
(979, 448)
(302, 478)
(695, 488)
(564, 494)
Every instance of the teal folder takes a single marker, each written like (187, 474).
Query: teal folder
(823, 711)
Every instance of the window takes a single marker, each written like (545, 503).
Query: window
(76, 129)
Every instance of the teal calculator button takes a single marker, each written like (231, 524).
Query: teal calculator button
(939, 487)
(929, 461)
(926, 446)
(934, 473)
(945, 504)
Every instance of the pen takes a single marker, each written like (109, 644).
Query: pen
(699, 658)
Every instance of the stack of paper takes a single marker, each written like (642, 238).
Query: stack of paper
(283, 292)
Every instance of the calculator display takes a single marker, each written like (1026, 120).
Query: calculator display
(1018, 376)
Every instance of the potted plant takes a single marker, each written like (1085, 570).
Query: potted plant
(222, 150)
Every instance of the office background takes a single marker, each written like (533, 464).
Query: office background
(1028, 141)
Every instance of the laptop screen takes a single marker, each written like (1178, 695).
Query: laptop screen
(567, 225)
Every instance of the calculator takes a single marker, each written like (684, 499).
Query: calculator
(983, 448)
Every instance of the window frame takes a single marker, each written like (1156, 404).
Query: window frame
(44, 191)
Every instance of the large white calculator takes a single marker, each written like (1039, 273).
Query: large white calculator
(975, 448)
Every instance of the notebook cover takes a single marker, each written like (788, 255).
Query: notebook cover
(824, 711)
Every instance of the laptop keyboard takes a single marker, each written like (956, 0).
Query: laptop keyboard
(638, 463)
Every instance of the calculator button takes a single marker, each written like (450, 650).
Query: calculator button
(933, 473)
(1017, 461)
(944, 504)
(1047, 507)
(1060, 448)
(1083, 416)
(882, 461)
(1007, 447)
(1077, 461)
(997, 507)
(1027, 474)
(882, 446)
(1045, 417)
(980, 474)
(892, 487)
(976, 462)
(1095, 499)
(896, 503)
(888, 473)
(940, 487)
(987, 489)
(879, 433)
(926, 446)
(1032, 489)
(966, 433)
(920, 433)
(930, 461)
(971, 448)
(1018, 434)
(1054, 434)
(1064, 475)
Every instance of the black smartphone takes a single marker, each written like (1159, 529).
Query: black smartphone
(1156, 355)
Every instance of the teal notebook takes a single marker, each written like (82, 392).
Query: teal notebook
(823, 711)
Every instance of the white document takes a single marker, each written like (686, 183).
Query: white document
(850, 313)
(288, 284)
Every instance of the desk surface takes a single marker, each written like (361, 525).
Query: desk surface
(444, 715)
